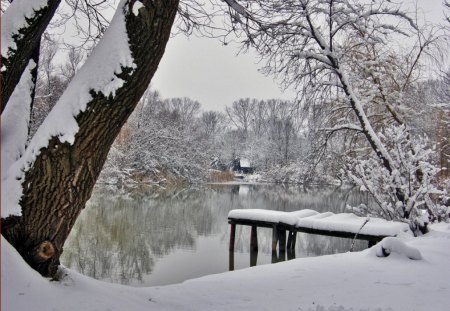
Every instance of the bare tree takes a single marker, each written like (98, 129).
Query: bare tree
(181, 110)
(212, 123)
(240, 113)
(74, 59)
(259, 116)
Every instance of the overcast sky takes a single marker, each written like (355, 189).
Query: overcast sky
(205, 70)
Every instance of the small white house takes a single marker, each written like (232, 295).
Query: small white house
(244, 163)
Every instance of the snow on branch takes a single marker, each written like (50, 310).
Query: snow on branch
(15, 19)
(15, 126)
(374, 12)
(238, 8)
(341, 127)
(312, 55)
(100, 73)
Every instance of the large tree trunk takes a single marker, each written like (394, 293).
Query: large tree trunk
(57, 186)
(17, 60)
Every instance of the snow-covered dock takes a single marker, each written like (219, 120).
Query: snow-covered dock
(345, 225)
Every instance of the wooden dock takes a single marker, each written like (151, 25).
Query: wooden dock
(285, 226)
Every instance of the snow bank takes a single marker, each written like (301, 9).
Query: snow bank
(344, 222)
(350, 281)
(395, 245)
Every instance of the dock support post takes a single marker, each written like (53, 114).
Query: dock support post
(253, 258)
(230, 261)
(291, 254)
(232, 236)
(292, 237)
(281, 244)
(282, 239)
(274, 238)
(254, 239)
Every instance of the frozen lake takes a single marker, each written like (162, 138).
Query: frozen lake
(148, 237)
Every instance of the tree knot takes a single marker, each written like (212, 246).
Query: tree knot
(43, 251)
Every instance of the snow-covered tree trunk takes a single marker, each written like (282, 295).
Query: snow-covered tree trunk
(22, 28)
(46, 189)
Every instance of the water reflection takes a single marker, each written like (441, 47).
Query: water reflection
(149, 237)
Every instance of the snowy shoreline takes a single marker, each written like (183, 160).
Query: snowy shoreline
(341, 282)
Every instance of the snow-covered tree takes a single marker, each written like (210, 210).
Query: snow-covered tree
(416, 176)
(46, 183)
(340, 55)
(167, 142)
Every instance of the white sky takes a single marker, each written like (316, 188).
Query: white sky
(205, 70)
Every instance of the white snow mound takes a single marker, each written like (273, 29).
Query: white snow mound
(395, 245)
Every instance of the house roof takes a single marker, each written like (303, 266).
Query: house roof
(245, 162)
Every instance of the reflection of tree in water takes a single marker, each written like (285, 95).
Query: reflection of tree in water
(120, 234)
(118, 237)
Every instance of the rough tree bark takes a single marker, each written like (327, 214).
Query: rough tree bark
(57, 186)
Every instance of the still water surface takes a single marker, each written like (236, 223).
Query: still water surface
(149, 237)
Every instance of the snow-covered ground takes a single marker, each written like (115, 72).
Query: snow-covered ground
(350, 281)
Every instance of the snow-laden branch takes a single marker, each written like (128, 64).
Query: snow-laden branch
(100, 73)
(313, 55)
(15, 126)
(15, 19)
(373, 12)
(238, 8)
(361, 114)
(23, 24)
(341, 127)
